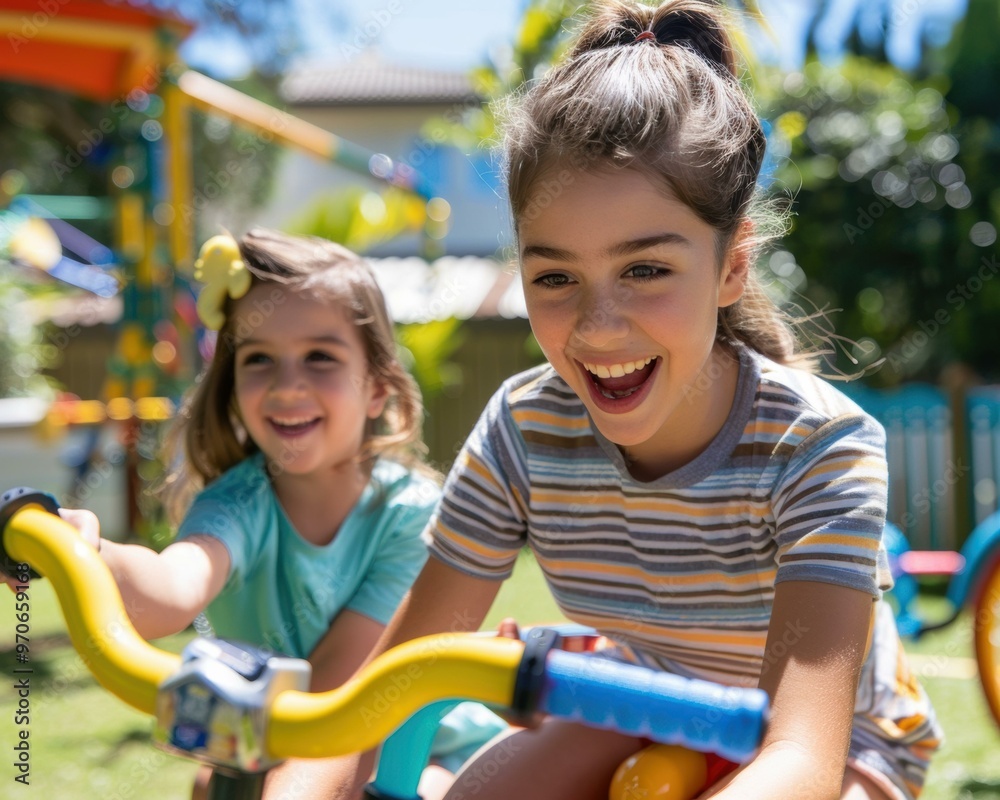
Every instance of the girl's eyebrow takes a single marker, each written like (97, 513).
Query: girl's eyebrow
(647, 242)
(620, 249)
(329, 338)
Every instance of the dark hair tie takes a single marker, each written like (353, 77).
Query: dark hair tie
(645, 35)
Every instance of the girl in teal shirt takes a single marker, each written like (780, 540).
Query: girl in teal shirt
(299, 489)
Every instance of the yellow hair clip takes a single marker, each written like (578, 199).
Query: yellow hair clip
(220, 267)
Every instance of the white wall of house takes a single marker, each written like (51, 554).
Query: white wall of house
(29, 459)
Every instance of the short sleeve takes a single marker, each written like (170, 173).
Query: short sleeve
(223, 511)
(400, 557)
(830, 508)
(481, 522)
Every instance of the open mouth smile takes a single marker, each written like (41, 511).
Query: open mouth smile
(618, 388)
(293, 426)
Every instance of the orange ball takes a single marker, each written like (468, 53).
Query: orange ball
(660, 772)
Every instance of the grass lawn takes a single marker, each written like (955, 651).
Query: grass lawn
(87, 745)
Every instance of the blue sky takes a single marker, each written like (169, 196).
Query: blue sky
(458, 34)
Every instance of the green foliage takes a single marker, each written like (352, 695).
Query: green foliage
(541, 39)
(895, 211)
(234, 168)
(360, 218)
(23, 351)
(857, 145)
(428, 346)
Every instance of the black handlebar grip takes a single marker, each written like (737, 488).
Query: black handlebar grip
(12, 501)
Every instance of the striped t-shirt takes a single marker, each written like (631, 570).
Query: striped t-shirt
(679, 571)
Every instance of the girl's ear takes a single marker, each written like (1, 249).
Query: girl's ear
(378, 399)
(736, 268)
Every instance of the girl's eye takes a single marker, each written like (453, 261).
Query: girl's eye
(646, 272)
(255, 358)
(319, 357)
(554, 281)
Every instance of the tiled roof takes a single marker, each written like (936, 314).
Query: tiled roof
(370, 81)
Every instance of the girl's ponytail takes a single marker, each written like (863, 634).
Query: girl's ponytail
(685, 23)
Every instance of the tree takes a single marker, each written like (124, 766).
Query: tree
(894, 208)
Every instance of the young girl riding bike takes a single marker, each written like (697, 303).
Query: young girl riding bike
(689, 487)
(298, 486)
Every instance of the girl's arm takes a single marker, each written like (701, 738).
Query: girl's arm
(816, 644)
(163, 592)
(335, 659)
(343, 649)
(442, 600)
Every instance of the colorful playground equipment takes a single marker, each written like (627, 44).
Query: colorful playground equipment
(243, 711)
(125, 58)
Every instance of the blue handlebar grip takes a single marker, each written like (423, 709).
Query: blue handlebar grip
(657, 705)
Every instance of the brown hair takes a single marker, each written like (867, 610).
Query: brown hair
(207, 438)
(672, 103)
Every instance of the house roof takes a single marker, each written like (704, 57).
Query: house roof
(368, 80)
(466, 287)
(415, 291)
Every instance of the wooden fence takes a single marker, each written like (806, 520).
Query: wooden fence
(944, 459)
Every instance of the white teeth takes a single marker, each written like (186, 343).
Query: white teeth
(290, 422)
(617, 370)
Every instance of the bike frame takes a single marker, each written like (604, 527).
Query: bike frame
(528, 678)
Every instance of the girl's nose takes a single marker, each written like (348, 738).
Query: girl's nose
(287, 380)
(602, 320)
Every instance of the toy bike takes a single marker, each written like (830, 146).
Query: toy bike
(242, 711)
(973, 581)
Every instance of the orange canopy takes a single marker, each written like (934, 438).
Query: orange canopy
(86, 47)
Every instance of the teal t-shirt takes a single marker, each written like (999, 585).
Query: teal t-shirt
(283, 592)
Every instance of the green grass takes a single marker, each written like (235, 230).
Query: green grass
(88, 745)
(85, 743)
(968, 765)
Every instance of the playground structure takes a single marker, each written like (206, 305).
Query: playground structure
(125, 58)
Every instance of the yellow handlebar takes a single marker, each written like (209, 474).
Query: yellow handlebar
(357, 716)
(121, 660)
(364, 711)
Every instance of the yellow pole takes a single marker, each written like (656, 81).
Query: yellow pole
(176, 121)
(213, 97)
